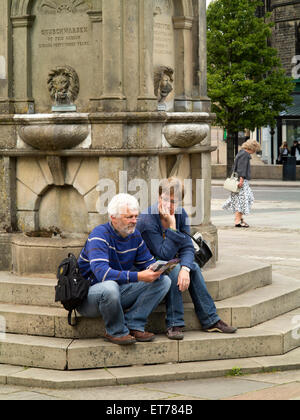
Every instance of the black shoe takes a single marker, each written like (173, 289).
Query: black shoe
(221, 327)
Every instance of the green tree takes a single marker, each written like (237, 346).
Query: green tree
(246, 82)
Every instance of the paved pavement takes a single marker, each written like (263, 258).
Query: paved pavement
(281, 212)
(260, 386)
(274, 237)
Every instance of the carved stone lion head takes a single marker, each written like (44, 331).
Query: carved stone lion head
(163, 82)
(63, 85)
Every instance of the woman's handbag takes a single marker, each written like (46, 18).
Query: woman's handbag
(231, 184)
(202, 251)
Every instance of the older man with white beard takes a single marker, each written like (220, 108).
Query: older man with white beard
(110, 258)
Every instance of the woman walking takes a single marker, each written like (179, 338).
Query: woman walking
(240, 203)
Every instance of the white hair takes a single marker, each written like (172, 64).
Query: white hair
(121, 202)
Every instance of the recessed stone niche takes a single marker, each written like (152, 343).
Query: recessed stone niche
(63, 208)
(43, 203)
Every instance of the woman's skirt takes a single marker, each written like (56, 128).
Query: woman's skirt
(241, 201)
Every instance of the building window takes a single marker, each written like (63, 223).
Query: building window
(260, 11)
(292, 131)
(297, 27)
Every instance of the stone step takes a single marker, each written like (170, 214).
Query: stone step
(275, 337)
(55, 379)
(259, 305)
(229, 278)
(27, 290)
(246, 310)
(233, 276)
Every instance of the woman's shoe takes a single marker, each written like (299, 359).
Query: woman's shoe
(242, 225)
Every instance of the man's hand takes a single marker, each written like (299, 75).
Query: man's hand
(148, 276)
(183, 280)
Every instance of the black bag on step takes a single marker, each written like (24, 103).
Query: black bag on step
(202, 251)
(72, 288)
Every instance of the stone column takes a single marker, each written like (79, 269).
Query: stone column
(131, 53)
(96, 19)
(184, 69)
(147, 101)
(202, 103)
(7, 194)
(24, 102)
(6, 105)
(113, 98)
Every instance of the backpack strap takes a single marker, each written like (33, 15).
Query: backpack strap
(70, 318)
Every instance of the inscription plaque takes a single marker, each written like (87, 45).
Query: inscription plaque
(61, 36)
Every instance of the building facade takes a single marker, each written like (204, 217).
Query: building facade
(286, 39)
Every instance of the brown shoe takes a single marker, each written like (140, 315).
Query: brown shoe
(126, 339)
(221, 327)
(142, 336)
(175, 333)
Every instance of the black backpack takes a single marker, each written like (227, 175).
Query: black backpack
(72, 288)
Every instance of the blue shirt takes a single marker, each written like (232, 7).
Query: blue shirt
(109, 256)
(167, 244)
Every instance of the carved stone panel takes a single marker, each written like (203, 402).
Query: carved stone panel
(61, 36)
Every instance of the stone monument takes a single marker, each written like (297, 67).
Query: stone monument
(99, 97)
(95, 91)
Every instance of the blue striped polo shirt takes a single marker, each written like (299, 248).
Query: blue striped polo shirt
(108, 256)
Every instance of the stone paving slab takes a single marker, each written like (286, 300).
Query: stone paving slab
(20, 395)
(281, 392)
(278, 378)
(112, 393)
(212, 388)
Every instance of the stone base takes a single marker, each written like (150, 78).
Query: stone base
(41, 255)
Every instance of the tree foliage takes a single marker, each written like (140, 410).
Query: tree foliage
(246, 82)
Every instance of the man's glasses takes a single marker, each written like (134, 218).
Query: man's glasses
(174, 202)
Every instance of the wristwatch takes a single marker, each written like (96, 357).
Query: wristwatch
(186, 268)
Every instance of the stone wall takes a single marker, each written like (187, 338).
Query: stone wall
(257, 172)
(286, 16)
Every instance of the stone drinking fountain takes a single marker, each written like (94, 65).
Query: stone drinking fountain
(99, 97)
(93, 90)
